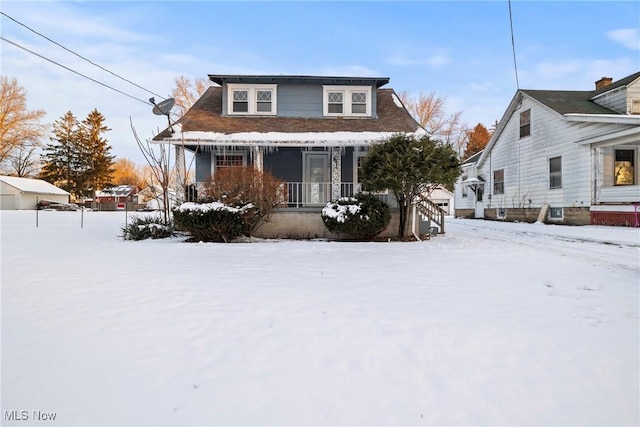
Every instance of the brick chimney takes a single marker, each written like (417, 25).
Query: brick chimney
(605, 81)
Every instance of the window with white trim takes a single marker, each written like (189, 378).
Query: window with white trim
(555, 213)
(251, 99)
(525, 123)
(623, 168)
(635, 106)
(498, 181)
(346, 101)
(555, 172)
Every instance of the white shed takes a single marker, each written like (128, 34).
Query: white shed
(24, 193)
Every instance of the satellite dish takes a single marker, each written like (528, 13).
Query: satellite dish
(163, 108)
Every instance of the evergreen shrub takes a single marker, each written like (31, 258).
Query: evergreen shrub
(362, 216)
(148, 227)
(210, 222)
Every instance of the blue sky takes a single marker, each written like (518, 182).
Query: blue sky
(460, 50)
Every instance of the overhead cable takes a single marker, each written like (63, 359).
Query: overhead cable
(73, 71)
(513, 46)
(79, 56)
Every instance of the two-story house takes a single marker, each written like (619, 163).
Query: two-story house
(568, 157)
(311, 132)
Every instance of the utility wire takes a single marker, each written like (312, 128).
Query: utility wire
(79, 56)
(513, 46)
(73, 71)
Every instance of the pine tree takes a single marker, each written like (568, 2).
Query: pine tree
(79, 160)
(61, 157)
(98, 162)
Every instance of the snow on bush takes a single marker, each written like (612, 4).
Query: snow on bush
(210, 222)
(363, 216)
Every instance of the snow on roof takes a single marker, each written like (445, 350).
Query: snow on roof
(281, 138)
(29, 185)
(120, 190)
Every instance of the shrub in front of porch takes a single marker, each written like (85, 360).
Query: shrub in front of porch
(210, 222)
(362, 216)
(240, 186)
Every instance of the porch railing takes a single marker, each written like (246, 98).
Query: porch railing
(315, 194)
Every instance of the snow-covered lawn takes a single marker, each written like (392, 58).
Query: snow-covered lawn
(490, 324)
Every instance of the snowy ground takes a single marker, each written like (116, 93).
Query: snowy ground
(491, 324)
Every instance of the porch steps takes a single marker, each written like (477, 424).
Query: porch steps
(432, 211)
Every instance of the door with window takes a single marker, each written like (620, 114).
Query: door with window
(479, 201)
(316, 186)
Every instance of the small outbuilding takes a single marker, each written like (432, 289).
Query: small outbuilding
(25, 193)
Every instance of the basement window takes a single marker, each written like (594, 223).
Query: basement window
(555, 213)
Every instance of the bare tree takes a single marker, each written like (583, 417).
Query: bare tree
(186, 93)
(429, 110)
(158, 157)
(23, 160)
(18, 126)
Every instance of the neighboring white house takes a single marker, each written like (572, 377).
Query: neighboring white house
(567, 157)
(153, 199)
(25, 193)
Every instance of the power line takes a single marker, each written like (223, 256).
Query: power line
(79, 56)
(73, 71)
(513, 46)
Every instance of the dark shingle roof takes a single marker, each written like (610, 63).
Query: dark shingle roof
(567, 101)
(580, 102)
(206, 116)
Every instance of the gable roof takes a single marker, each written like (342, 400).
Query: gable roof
(564, 102)
(205, 123)
(29, 185)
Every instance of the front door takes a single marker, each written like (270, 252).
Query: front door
(316, 188)
(479, 203)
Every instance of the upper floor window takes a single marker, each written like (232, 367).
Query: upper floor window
(525, 123)
(635, 106)
(555, 172)
(623, 171)
(251, 99)
(498, 181)
(347, 101)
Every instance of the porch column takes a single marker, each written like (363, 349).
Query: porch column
(258, 159)
(336, 172)
(180, 167)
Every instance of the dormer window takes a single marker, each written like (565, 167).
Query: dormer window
(347, 101)
(251, 99)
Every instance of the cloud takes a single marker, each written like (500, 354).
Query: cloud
(627, 37)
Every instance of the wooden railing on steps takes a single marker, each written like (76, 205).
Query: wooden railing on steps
(432, 211)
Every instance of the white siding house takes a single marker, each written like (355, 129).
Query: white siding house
(25, 193)
(560, 156)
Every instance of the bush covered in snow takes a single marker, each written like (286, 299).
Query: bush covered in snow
(363, 216)
(210, 222)
(147, 227)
